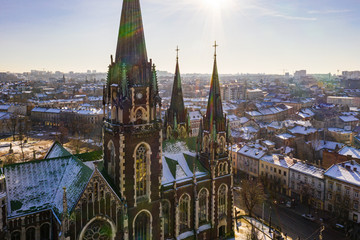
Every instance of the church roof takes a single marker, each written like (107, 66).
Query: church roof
(179, 167)
(131, 48)
(38, 185)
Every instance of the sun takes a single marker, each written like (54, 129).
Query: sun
(216, 5)
(213, 3)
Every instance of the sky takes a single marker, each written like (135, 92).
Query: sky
(254, 36)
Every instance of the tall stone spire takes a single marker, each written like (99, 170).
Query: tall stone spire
(177, 100)
(131, 48)
(177, 109)
(214, 111)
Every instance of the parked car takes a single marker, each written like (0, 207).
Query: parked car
(339, 227)
(288, 204)
(308, 217)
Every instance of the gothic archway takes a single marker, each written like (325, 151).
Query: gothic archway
(142, 226)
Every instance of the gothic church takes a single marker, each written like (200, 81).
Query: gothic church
(137, 189)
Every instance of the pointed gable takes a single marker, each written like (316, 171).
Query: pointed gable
(57, 150)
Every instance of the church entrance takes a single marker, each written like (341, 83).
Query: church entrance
(222, 232)
(142, 226)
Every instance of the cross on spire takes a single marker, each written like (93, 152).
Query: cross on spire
(177, 52)
(215, 46)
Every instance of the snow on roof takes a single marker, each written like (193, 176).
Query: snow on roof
(195, 115)
(321, 144)
(4, 115)
(277, 160)
(308, 169)
(179, 167)
(348, 118)
(38, 185)
(57, 150)
(243, 120)
(346, 172)
(4, 107)
(353, 152)
(268, 142)
(339, 130)
(285, 136)
(253, 152)
(302, 130)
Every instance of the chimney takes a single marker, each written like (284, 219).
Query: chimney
(348, 167)
(355, 169)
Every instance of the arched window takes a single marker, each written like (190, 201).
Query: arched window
(15, 235)
(139, 114)
(166, 216)
(206, 143)
(45, 232)
(184, 204)
(203, 206)
(141, 171)
(98, 229)
(222, 199)
(222, 147)
(111, 165)
(30, 234)
(142, 226)
(183, 132)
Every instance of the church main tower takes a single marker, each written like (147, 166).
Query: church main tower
(133, 128)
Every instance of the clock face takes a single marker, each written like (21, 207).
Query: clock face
(139, 95)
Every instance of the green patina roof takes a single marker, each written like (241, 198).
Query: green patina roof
(90, 156)
(190, 161)
(38, 185)
(172, 166)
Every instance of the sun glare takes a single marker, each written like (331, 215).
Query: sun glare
(216, 5)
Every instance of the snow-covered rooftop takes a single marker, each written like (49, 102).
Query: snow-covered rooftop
(348, 172)
(308, 169)
(38, 185)
(348, 118)
(179, 167)
(353, 152)
(302, 130)
(253, 152)
(277, 160)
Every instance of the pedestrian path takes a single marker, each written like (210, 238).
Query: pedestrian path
(248, 225)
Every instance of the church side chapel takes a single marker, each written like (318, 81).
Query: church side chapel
(151, 182)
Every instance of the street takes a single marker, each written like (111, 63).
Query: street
(292, 223)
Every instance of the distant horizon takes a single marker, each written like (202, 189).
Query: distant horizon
(159, 70)
(254, 36)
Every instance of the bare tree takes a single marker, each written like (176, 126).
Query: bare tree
(252, 194)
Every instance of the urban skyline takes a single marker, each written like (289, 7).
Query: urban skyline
(254, 36)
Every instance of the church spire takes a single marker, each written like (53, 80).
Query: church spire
(131, 48)
(177, 109)
(214, 111)
(177, 100)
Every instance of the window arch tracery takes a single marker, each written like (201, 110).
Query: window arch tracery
(222, 201)
(141, 170)
(203, 205)
(184, 213)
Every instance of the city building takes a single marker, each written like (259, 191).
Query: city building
(343, 189)
(307, 184)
